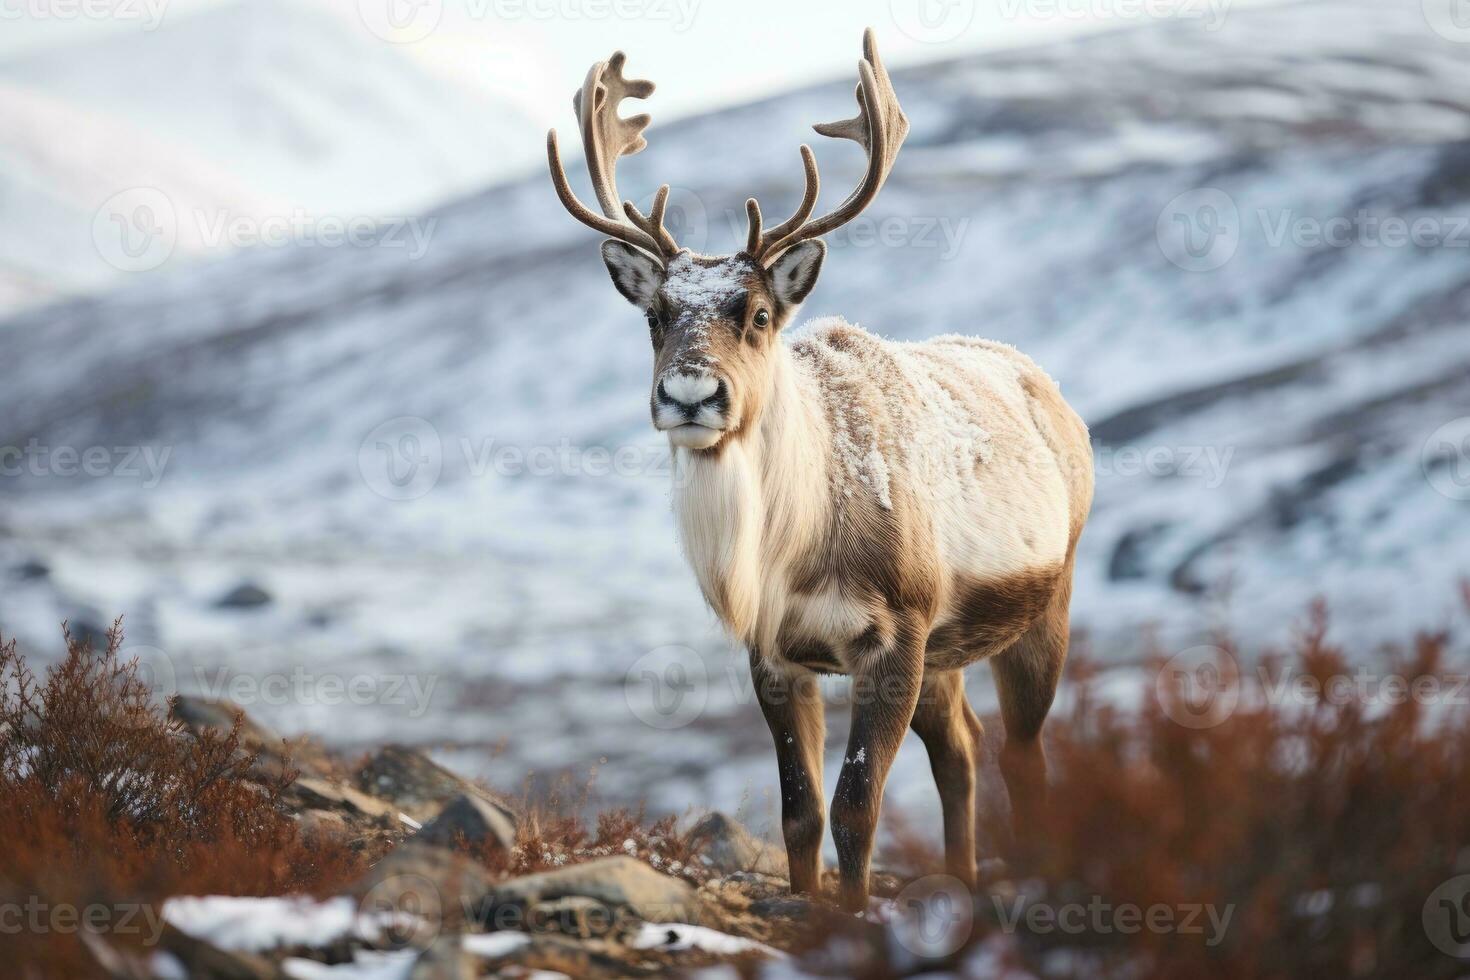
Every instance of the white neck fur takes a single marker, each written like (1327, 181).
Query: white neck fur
(746, 515)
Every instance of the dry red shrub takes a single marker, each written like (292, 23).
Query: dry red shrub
(1320, 813)
(108, 804)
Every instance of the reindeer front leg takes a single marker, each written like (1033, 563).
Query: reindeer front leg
(886, 683)
(792, 704)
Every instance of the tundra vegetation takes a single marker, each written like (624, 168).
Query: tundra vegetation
(1291, 835)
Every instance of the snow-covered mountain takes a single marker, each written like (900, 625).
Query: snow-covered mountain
(440, 464)
(254, 111)
(60, 165)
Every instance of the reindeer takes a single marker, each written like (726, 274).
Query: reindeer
(890, 511)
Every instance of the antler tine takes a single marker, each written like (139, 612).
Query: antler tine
(606, 136)
(613, 229)
(653, 224)
(759, 241)
(753, 219)
(880, 127)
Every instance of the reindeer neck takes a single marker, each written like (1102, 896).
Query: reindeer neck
(791, 448)
(748, 512)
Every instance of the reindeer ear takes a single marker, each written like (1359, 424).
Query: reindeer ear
(636, 273)
(795, 273)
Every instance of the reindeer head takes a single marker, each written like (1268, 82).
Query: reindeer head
(714, 320)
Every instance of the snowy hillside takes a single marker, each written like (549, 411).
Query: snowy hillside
(258, 110)
(59, 165)
(411, 456)
(295, 102)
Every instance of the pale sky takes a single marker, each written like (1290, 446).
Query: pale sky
(704, 53)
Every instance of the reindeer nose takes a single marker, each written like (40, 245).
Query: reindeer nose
(691, 392)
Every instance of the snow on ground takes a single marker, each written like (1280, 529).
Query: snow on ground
(252, 925)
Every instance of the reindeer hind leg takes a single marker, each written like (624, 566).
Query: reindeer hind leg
(1026, 677)
(951, 733)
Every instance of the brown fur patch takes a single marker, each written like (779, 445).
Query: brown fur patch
(989, 615)
(814, 655)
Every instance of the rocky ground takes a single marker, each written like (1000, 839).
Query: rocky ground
(442, 898)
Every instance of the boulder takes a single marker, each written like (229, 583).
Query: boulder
(624, 885)
(199, 713)
(246, 595)
(86, 631)
(470, 819)
(200, 959)
(584, 918)
(323, 826)
(723, 844)
(275, 753)
(432, 882)
(419, 785)
(552, 954)
(321, 794)
(32, 569)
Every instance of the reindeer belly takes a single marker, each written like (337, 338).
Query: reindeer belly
(984, 617)
(820, 630)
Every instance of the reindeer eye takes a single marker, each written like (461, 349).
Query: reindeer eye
(652, 320)
(762, 318)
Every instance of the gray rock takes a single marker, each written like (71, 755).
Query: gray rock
(470, 819)
(584, 918)
(724, 845)
(322, 794)
(436, 884)
(200, 713)
(246, 595)
(624, 885)
(87, 632)
(419, 785)
(31, 569)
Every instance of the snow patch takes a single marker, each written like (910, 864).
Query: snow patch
(676, 936)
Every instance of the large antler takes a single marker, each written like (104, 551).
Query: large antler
(880, 126)
(606, 137)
